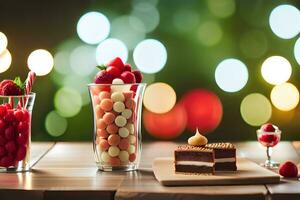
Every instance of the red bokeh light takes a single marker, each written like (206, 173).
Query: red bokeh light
(204, 110)
(165, 126)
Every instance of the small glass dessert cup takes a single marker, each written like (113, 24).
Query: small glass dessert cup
(117, 125)
(15, 132)
(269, 139)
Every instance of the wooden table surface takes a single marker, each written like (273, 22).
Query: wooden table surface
(66, 170)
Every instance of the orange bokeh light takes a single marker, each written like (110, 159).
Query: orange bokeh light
(165, 126)
(204, 110)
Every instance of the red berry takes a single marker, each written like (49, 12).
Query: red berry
(268, 127)
(21, 153)
(9, 117)
(22, 138)
(11, 147)
(18, 115)
(2, 110)
(23, 127)
(2, 140)
(26, 115)
(117, 62)
(2, 125)
(134, 89)
(10, 88)
(8, 106)
(128, 77)
(7, 161)
(138, 76)
(2, 151)
(288, 169)
(9, 133)
(116, 72)
(103, 77)
(127, 67)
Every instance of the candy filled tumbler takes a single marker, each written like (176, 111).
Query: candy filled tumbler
(15, 132)
(117, 125)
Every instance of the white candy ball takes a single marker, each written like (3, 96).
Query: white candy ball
(131, 149)
(120, 121)
(132, 139)
(123, 132)
(117, 96)
(119, 106)
(127, 113)
(105, 157)
(117, 81)
(113, 151)
(124, 156)
(130, 127)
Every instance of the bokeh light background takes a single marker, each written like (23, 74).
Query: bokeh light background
(225, 67)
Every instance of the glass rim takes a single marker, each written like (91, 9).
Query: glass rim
(277, 131)
(120, 84)
(31, 94)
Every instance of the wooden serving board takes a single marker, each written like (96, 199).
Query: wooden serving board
(248, 173)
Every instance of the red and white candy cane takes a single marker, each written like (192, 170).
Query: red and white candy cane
(28, 87)
(29, 82)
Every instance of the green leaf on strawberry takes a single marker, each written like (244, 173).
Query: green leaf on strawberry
(102, 67)
(19, 83)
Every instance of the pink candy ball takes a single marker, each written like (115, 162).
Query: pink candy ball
(101, 124)
(109, 118)
(106, 104)
(99, 112)
(104, 95)
(103, 144)
(112, 129)
(130, 103)
(114, 161)
(128, 95)
(96, 100)
(132, 157)
(124, 144)
(114, 139)
(102, 133)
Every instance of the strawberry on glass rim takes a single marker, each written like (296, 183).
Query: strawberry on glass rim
(269, 136)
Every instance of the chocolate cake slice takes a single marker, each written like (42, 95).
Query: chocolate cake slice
(194, 159)
(225, 156)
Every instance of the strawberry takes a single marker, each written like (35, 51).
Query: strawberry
(268, 127)
(12, 87)
(128, 77)
(103, 77)
(288, 169)
(138, 76)
(117, 62)
(116, 72)
(127, 67)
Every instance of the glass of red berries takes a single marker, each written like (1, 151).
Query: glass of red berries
(15, 132)
(269, 136)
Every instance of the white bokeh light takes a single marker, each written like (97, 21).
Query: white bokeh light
(93, 27)
(231, 75)
(297, 51)
(82, 60)
(5, 60)
(285, 21)
(3, 42)
(276, 70)
(40, 61)
(150, 56)
(109, 49)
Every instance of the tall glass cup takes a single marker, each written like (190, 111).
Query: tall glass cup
(15, 132)
(117, 111)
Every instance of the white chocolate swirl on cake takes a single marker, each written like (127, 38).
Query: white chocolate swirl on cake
(197, 140)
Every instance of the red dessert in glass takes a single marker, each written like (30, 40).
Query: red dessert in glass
(269, 136)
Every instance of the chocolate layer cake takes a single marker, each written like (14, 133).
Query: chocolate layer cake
(193, 159)
(225, 156)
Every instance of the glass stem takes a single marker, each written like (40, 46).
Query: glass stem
(269, 153)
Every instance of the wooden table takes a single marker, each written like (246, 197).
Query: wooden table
(67, 171)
